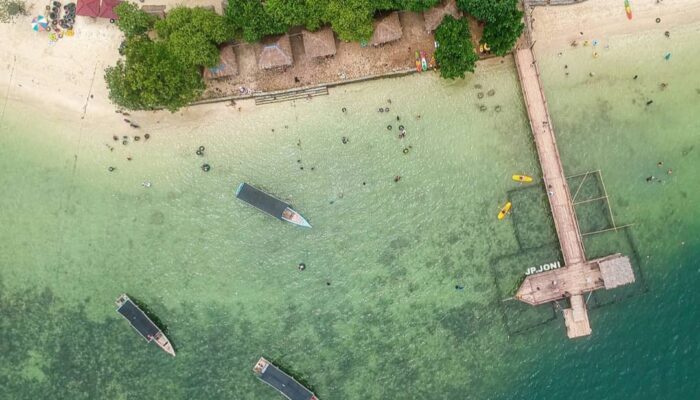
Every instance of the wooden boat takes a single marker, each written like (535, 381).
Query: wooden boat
(423, 61)
(505, 210)
(628, 9)
(270, 205)
(143, 325)
(419, 65)
(285, 384)
(522, 178)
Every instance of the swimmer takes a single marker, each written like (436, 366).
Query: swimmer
(146, 184)
(397, 178)
(345, 140)
(147, 136)
(302, 266)
(459, 287)
(111, 169)
(650, 178)
(635, 77)
(402, 134)
(670, 171)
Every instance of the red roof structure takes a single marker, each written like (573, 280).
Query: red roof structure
(88, 8)
(107, 9)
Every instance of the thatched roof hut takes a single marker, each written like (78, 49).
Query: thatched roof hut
(387, 29)
(320, 43)
(276, 53)
(616, 270)
(433, 17)
(228, 64)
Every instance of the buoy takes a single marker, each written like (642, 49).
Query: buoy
(405, 150)
(388, 127)
(200, 148)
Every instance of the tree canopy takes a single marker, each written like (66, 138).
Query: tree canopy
(503, 22)
(502, 34)
(193, 34)
(132, 21)
(455, 53)
(151, 77)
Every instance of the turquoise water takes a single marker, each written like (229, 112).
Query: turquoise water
(375, 314)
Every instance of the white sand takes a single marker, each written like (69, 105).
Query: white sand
(68, 76)
(555, 27)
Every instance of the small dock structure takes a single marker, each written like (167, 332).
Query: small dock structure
(579, 275)
(285, 384)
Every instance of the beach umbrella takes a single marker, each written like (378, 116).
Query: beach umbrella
(40, 23)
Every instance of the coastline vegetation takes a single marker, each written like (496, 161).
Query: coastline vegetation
(10, 9)
(163, 59)
(455, 52)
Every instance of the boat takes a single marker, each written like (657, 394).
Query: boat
(522, 178)
(628, 9)
(423, 61)
(419, 65)
(285, 384)
(505, 210)
(143, 325)
(270, 205)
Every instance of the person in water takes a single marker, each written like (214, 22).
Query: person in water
(459, 287)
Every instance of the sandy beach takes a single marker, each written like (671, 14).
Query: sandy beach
(555, 27)
(67, 76)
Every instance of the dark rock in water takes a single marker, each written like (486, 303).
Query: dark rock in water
(157, 218)
(483, 108)
(345, 140)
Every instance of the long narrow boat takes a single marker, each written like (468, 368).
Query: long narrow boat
(270, 205)
(143, 325)
(279, 380)
(522, 178)
(628, 9)
(505, 210)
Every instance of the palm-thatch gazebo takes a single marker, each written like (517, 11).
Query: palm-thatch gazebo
(228, 64)
(320, 43)
(276, 53)
(386, 29)
(433, 17)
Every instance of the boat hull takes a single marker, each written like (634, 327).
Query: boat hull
(522, 178)
(505, 210)
(142, 324)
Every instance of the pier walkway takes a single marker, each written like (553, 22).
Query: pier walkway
(578, 276)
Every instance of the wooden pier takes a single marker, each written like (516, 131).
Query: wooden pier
(578, 276)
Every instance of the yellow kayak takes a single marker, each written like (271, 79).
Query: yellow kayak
(505, 210)
(522, 178)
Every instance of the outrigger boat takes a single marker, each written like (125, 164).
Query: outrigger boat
(522, 178)
(270, 205)
(285, 384)
(505, 210)
(423, 61)
(143, 325)
(628, 9)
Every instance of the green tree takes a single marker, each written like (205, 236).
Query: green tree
(503, 22)
(287, 12)
(487, 10)
(250, 20)
(502, 34)
(151, 77)
(132, 20)
(193, 35)
(409, 5)
(351, 19)
(455, 53)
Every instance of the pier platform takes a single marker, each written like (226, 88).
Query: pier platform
(578, 276)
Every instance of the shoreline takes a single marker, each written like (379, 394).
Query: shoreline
(69, 81)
